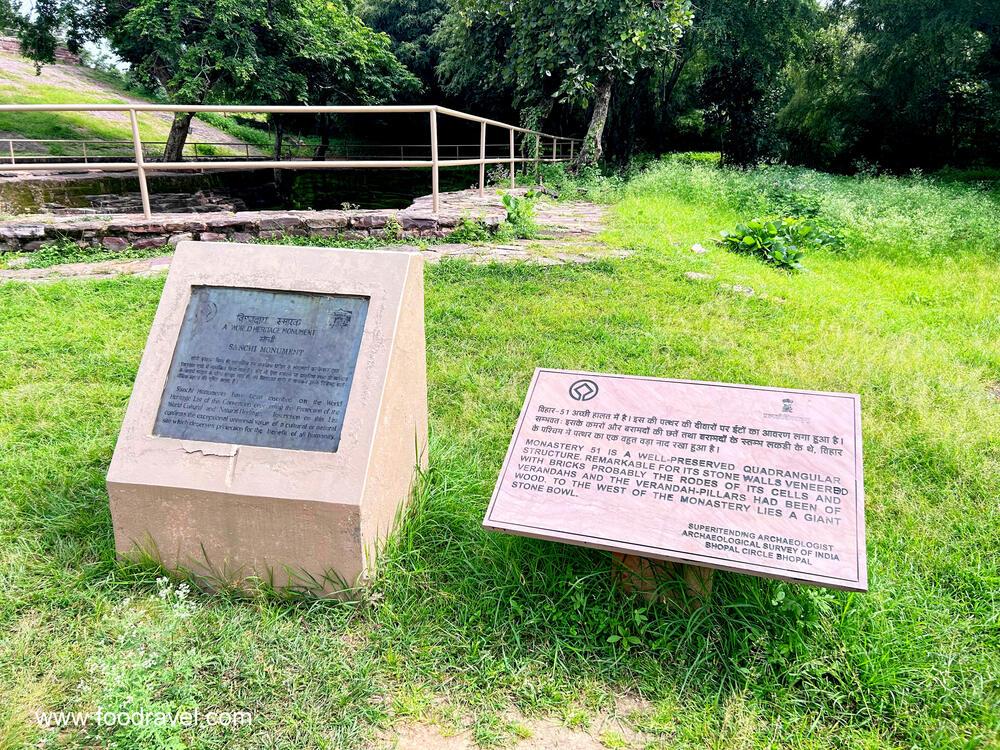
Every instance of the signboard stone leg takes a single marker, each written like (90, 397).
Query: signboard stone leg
(658, 580)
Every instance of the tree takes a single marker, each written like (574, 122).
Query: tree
(747, 46)
(251, 51)
(901, 83)
(243, 51)
(567, 51)
(410, 24)
(322, 54)
(39, 24)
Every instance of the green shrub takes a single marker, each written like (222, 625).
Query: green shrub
(470, 231)
(63, 251)
(520, 221)
(393, 230)
(587, 183)
(779, 242)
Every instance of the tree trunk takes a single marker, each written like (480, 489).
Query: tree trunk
(174, 150)
(324, 138)
(279, 135)
(592, 149)
(671, 84)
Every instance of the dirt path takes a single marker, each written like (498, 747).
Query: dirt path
(621, 725)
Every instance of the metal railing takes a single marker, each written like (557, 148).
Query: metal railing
(560, 147)
(98, 149)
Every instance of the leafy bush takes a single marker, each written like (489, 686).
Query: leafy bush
(242, 128)
(520, 215)
(905, 219)
(779, 242)
(63, 251)
(797, 203)
(470, 231)
(587, 183)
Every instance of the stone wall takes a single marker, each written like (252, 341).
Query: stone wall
(62, 55)
(116, 232)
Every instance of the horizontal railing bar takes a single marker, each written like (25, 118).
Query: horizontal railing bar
(497, 123)
(184, 166)
(75, 166)
(257, 160)
(244, 143)
(254, 109)
(474, 162)
(116, 143)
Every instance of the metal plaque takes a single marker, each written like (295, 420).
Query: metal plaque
(264, 368)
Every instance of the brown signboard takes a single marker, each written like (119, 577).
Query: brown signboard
(757, 480)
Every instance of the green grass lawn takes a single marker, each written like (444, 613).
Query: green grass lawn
(461, 626)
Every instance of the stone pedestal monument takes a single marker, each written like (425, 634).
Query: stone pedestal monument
(279, 415)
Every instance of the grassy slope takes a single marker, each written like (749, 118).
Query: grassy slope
(76, 85)
(908, 319)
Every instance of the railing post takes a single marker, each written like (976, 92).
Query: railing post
(435, 197)
(513, 176)
(140, 165)
(538, 157)
(84, 152)
(10, 145)
(555, 150)
(482, 159)
(571, 142)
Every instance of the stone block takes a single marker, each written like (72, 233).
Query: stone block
(282, 222)
(369, 221)
(114, 243)
(144, 243)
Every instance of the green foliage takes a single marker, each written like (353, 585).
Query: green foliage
(518, 225)
(520, 221)
(410, 24)
(562, 50)
(586, 183)
(520, 208)
(255, 135)
(392, 230)
(898, 83)
(470, 231)
(67, 251)
(915, 219)
(780, 242)
(43, 24)
(747, 45)
(256, 51)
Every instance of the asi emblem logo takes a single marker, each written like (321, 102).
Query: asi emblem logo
(583, 390)
(786, 405)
